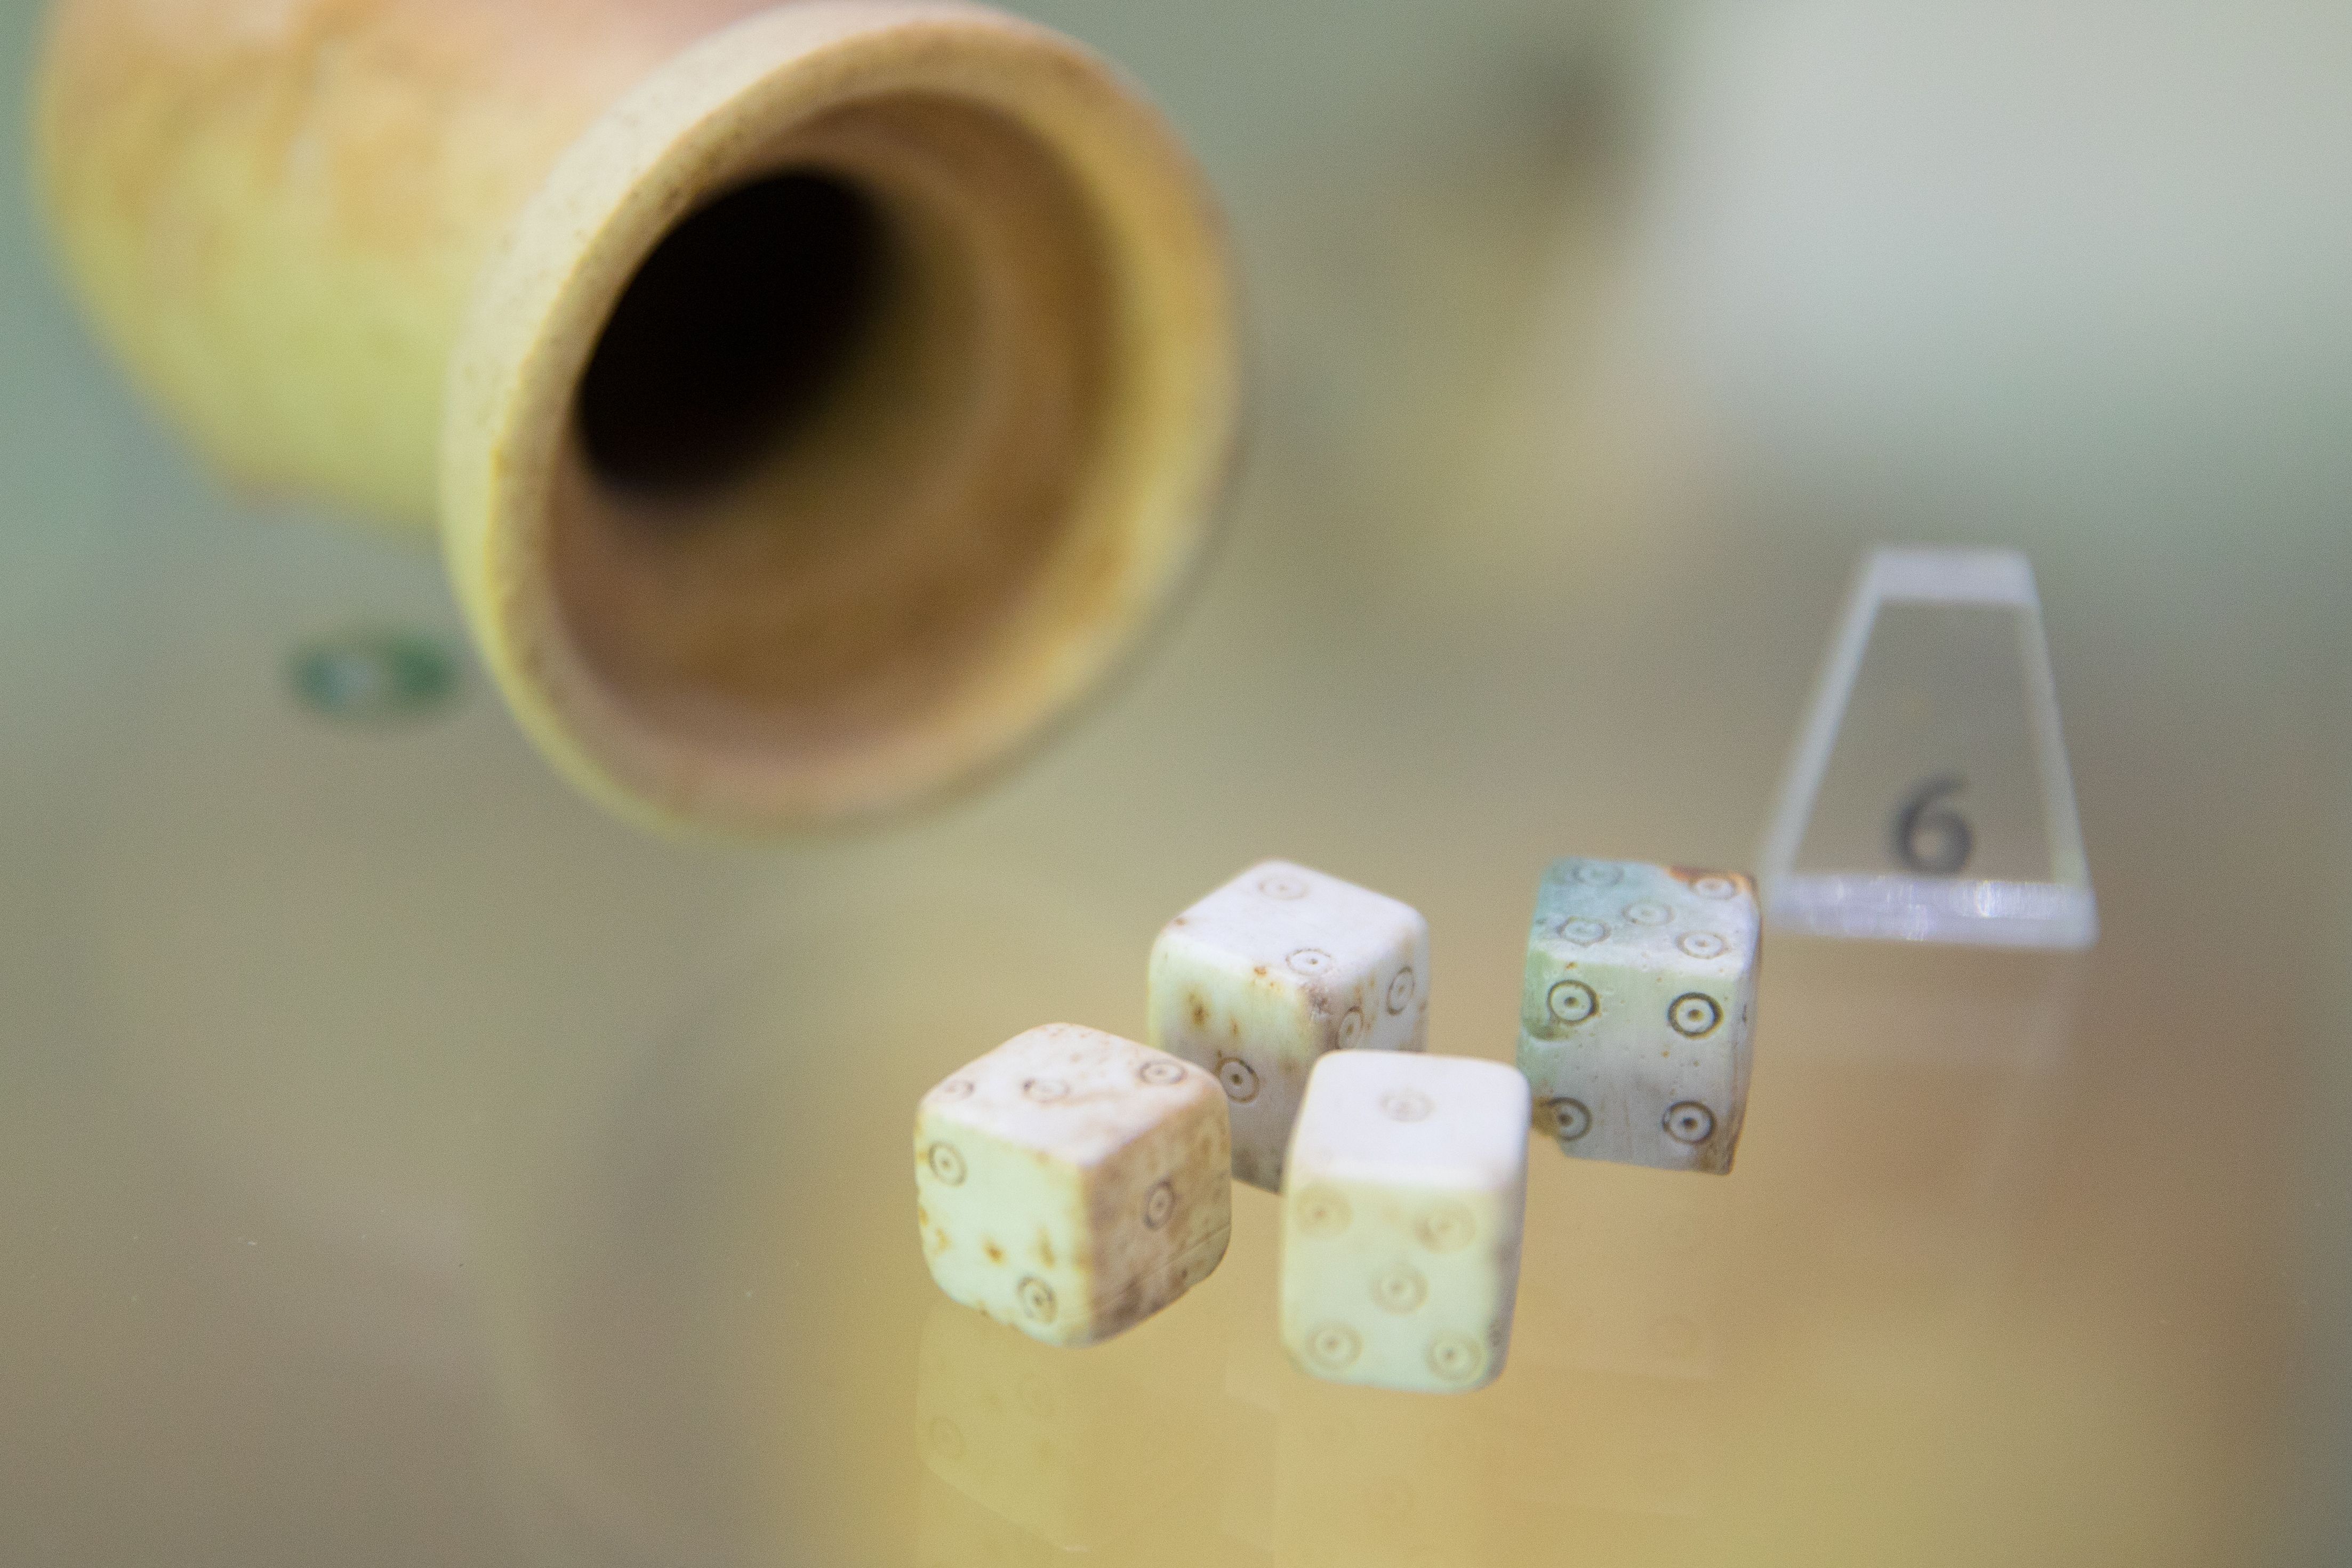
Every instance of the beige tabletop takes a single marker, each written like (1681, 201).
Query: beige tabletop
(403, 1163)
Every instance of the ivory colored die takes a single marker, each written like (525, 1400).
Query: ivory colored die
(1261, 977)
(1401, 1221)
(1071, 1182)
(1639, 1004)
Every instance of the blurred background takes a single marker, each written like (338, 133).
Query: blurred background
(404, 1163)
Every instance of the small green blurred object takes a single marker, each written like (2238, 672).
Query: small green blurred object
(376, 674)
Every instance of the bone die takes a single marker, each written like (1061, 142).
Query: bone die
(1071, 1182)
(1261, 978)
(1401, 1221)
(1635, 1018)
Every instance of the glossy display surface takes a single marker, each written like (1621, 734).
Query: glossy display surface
(405, 1162)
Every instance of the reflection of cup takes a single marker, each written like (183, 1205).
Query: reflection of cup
(702, 1292)
(633, 1338)
(1084, 1449)
(332, 949)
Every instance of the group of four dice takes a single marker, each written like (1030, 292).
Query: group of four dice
(1071, 1182)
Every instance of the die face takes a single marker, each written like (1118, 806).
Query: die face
(1071, 1182)
(1401, 1222)
(1638, 1010)
(1004, 1228)
(1618, 1101)
(1263, 977)
(1451, 1121)
(1076, 1093)
(1161, 1210)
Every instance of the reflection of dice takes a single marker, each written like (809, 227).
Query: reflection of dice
(1071, 1183)
(1264, 975)
(1640, 998)
(1401, 1221)
(1630, 1445)
(1358, 1482)
(1090, 1453)
(1630, 1277)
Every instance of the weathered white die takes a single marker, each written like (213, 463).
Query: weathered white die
(1401, 1221)
(1638, 1008)
(1260, 978)
(1071, 1182)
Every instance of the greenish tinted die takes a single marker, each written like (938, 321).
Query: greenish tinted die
(1637, 1011)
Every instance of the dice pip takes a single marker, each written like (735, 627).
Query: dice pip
(1071, 1182)
(1639, 1004)
(1401, 1218)
(1261, 977)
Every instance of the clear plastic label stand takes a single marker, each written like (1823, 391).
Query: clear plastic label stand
(1928, 799)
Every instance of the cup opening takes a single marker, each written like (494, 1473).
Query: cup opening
(833, 449)
(733, 331)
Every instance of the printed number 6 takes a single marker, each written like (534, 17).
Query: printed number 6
(1931, 838)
